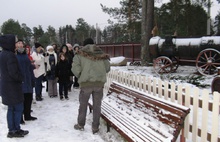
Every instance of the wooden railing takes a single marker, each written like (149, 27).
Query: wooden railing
(203, 122)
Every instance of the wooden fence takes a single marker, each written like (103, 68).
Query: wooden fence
(203, 122)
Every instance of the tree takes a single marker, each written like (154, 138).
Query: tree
(12, 27)
(82, 30)
(147, 26)
(51, 32)
(129, 16)
(182, 18)
(27, 33)
(38, 33)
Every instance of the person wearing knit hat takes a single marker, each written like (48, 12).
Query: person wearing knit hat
(37, 45)
(88, 41)
(90, 65)
(39, 71)
(28, 81)
(51, 61)
(70, 55)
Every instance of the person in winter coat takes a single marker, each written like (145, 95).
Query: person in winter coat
(64, 49)
(39, 71)
(90, 66)
(76, 84)
(70, 59)
(51, 61)
(63, 77)
(28, 80)
(11, 86)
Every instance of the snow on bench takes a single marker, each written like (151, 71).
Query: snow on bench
(139, 117)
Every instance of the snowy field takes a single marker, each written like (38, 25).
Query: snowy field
(55, 123)
(56, 118)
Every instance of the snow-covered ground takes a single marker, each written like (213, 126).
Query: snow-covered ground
(55, 123)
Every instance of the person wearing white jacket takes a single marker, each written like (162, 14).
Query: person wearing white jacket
(51, 61)
(39, 71)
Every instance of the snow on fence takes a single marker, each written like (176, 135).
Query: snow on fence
(203, 122)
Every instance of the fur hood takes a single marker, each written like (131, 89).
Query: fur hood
(93, 52)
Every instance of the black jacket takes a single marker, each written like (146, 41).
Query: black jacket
(10, 74)
(63, 71)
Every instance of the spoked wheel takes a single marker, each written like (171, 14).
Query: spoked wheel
(163, 65)
(207, 62)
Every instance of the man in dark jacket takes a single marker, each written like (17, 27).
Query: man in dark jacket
(90, 66)
(11, 86)
(28, 79)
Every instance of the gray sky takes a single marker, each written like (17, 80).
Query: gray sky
(60, 12)
(55, 12)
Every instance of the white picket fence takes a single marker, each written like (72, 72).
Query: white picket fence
(203, 122)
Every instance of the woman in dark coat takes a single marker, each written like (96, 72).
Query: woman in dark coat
(64, 49)
(63, 68)
(11, 86)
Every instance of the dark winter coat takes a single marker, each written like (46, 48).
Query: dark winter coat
(69, 56)
(63, 68)
(10, 74)
(51, 73)
(27, 71)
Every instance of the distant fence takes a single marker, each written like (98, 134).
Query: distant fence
(131, 51)
(203, 122)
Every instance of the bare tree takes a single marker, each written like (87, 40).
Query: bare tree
(147, 26)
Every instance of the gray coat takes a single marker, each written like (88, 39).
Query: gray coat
(10, 74)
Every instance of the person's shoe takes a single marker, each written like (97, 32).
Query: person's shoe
(17, 134)
(30, 118)
(94, 131)
(23, 132)
(39, 98)
(61, 97)
(66, 97)
(78, 127)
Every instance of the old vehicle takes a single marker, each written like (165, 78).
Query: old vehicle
(170, 52)
(203, 52)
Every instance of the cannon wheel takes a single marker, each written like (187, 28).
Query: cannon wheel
(163, 65)
(207, 62)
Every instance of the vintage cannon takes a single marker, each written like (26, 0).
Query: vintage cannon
(203, 52)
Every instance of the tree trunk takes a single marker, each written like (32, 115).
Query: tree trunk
(147, 26)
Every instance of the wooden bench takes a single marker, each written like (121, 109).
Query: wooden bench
(140, 117)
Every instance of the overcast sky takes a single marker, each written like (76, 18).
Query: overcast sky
(59, 12)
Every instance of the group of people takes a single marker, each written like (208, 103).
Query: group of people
(21, 71)
(55, 67)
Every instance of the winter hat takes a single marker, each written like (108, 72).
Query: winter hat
(37, 45)
(75, 45)
(88, 41)
(49, 47)
(8, 42)
(19, 40)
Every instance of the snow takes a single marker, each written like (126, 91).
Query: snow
(187, 41)
(55, 123)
